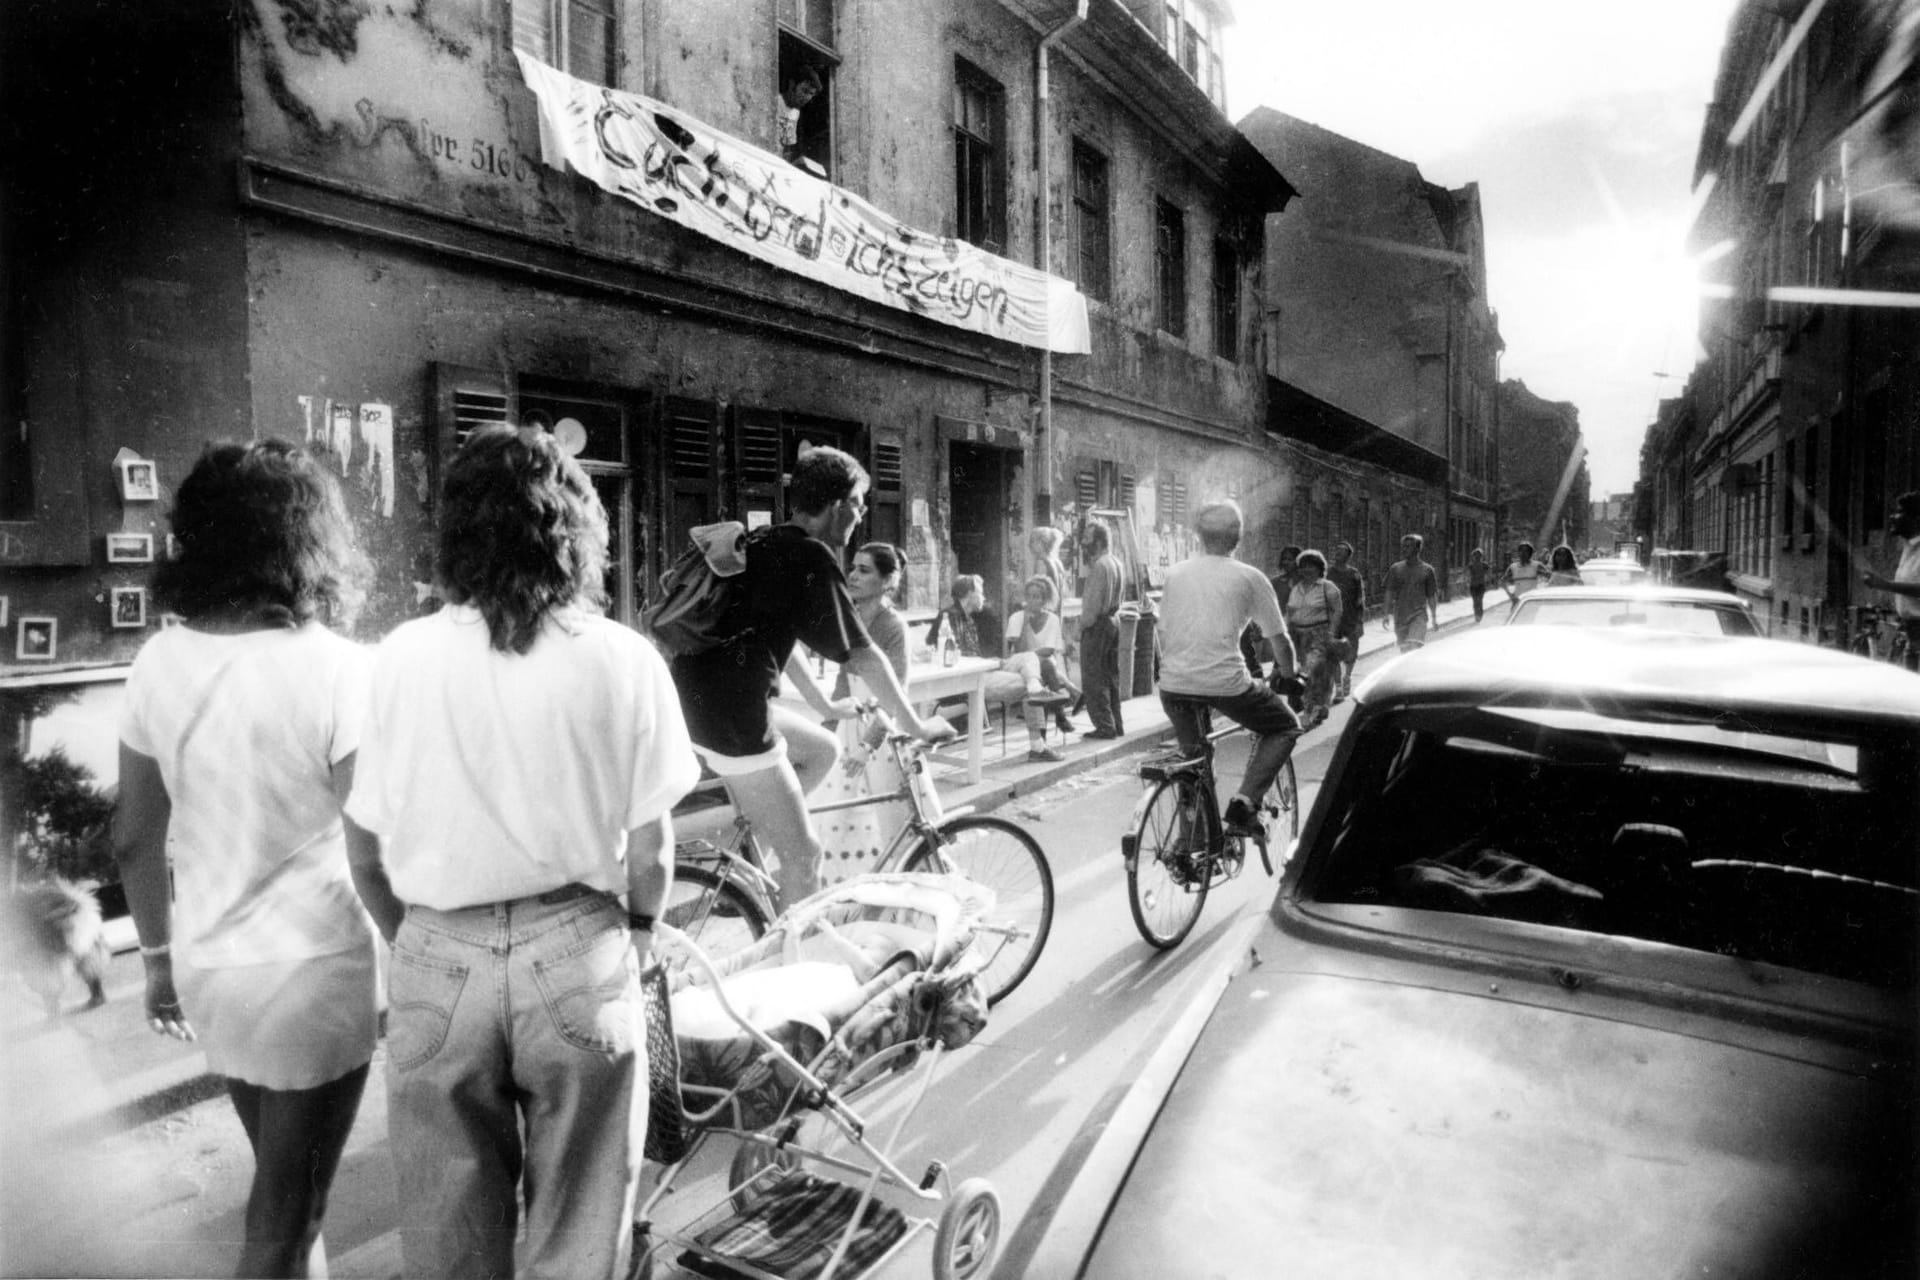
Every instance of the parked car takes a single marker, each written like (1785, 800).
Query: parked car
(1596, 957)
(1713, 613)
(1612, 573)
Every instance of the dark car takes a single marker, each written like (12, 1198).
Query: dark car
(1596, 957)
(1711, 613)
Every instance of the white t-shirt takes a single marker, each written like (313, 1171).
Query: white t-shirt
(1207, 603)
(1908, 571)
(245, 730)
(1047, 637)
(492, 776)
(1525, 577)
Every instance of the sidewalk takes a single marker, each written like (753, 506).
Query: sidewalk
(138, 1076)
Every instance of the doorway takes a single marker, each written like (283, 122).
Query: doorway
(980, 488)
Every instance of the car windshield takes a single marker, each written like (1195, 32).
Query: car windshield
(1795, 849)
(1544, 609)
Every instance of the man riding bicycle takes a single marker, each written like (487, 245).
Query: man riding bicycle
(1208, 601)
(795, 589)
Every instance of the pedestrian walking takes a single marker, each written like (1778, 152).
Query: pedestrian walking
(1352, 586)
(1412, 595)
(1522, 574)
(1477, 571)
(1562, 569)
(521, 758)
(1100, 632)
(238, 744)
(1313, 609)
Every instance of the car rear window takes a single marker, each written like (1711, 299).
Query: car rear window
(1694, 619)
(1794, 849)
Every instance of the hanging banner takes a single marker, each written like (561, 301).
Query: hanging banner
(676, 167)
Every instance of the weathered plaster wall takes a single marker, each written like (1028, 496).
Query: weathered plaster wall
(127, 258)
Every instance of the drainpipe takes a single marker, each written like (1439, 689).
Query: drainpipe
(1043, 149)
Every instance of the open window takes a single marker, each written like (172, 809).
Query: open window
(804, 97)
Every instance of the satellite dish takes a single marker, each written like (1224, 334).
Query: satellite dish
(571, 436)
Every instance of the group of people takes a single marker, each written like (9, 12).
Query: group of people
(490, 787)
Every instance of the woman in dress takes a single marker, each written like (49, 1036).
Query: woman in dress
(851, 840)
(237, 751)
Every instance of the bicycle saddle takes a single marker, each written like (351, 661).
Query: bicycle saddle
(1169, 764)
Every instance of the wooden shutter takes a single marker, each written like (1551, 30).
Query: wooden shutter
(886, 500)
(755, 441)
(464, 400)
(689, 448)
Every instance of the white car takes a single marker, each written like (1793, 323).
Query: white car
(1707, 613)
(1612, 573)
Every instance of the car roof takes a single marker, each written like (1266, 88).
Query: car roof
(1656, 670)
(1635, 591)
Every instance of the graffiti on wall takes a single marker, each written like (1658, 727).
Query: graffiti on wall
(346, 432)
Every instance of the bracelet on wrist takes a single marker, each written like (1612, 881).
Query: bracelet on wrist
(640, 920)
(164, 949)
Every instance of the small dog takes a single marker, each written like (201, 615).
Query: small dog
(53, 929)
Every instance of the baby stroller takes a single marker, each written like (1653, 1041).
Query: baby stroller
(859, 988)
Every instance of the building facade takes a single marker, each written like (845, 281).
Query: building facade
(1377, 304)
(1544, 483)
(1790, 440)
(362, 227)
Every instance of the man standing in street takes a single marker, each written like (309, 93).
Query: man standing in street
(1413, 595)
(1904, 585)
(1099, 632)
(1208, 601)
(1353, 616)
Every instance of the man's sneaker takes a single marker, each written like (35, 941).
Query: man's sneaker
(1242, 819)
(1045, 754)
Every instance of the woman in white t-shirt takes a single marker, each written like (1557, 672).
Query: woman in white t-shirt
(237, 749)
(851, 840)
(1523, 574)
(522, 756)
(1036, 630)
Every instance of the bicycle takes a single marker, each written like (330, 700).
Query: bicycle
(1179, 848)
(1877, 632)
(724, 898)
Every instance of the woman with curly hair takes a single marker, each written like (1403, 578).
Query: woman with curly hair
(1563, 570)
(521, 758)
(237, 749)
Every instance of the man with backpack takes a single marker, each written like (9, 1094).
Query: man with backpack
(791, 589)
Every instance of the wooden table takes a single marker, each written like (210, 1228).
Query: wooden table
(930, 682)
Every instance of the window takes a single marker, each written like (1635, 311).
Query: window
(1810, 482)
(1226, 300)
(805, 105)
(811, 18)
(979, 141)
(576, 36)
(1091, 226)
(1170, 268)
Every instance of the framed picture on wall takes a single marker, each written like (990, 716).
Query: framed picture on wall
(38, 640)
(139, 480)
(129, 548)
(129, 605)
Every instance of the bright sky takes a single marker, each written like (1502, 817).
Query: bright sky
(1579, 122)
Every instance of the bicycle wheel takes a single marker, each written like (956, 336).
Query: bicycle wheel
(713, 911)
(1164, 887)
(1002, 856)
(1284, 798)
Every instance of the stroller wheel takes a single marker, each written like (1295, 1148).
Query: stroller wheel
(748, 1177)
(969, 1231)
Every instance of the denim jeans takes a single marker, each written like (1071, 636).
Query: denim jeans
(511, 1019)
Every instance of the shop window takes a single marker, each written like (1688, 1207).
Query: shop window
(1092, 222)
(1170, 268)
(979, 147)
(578, 37)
